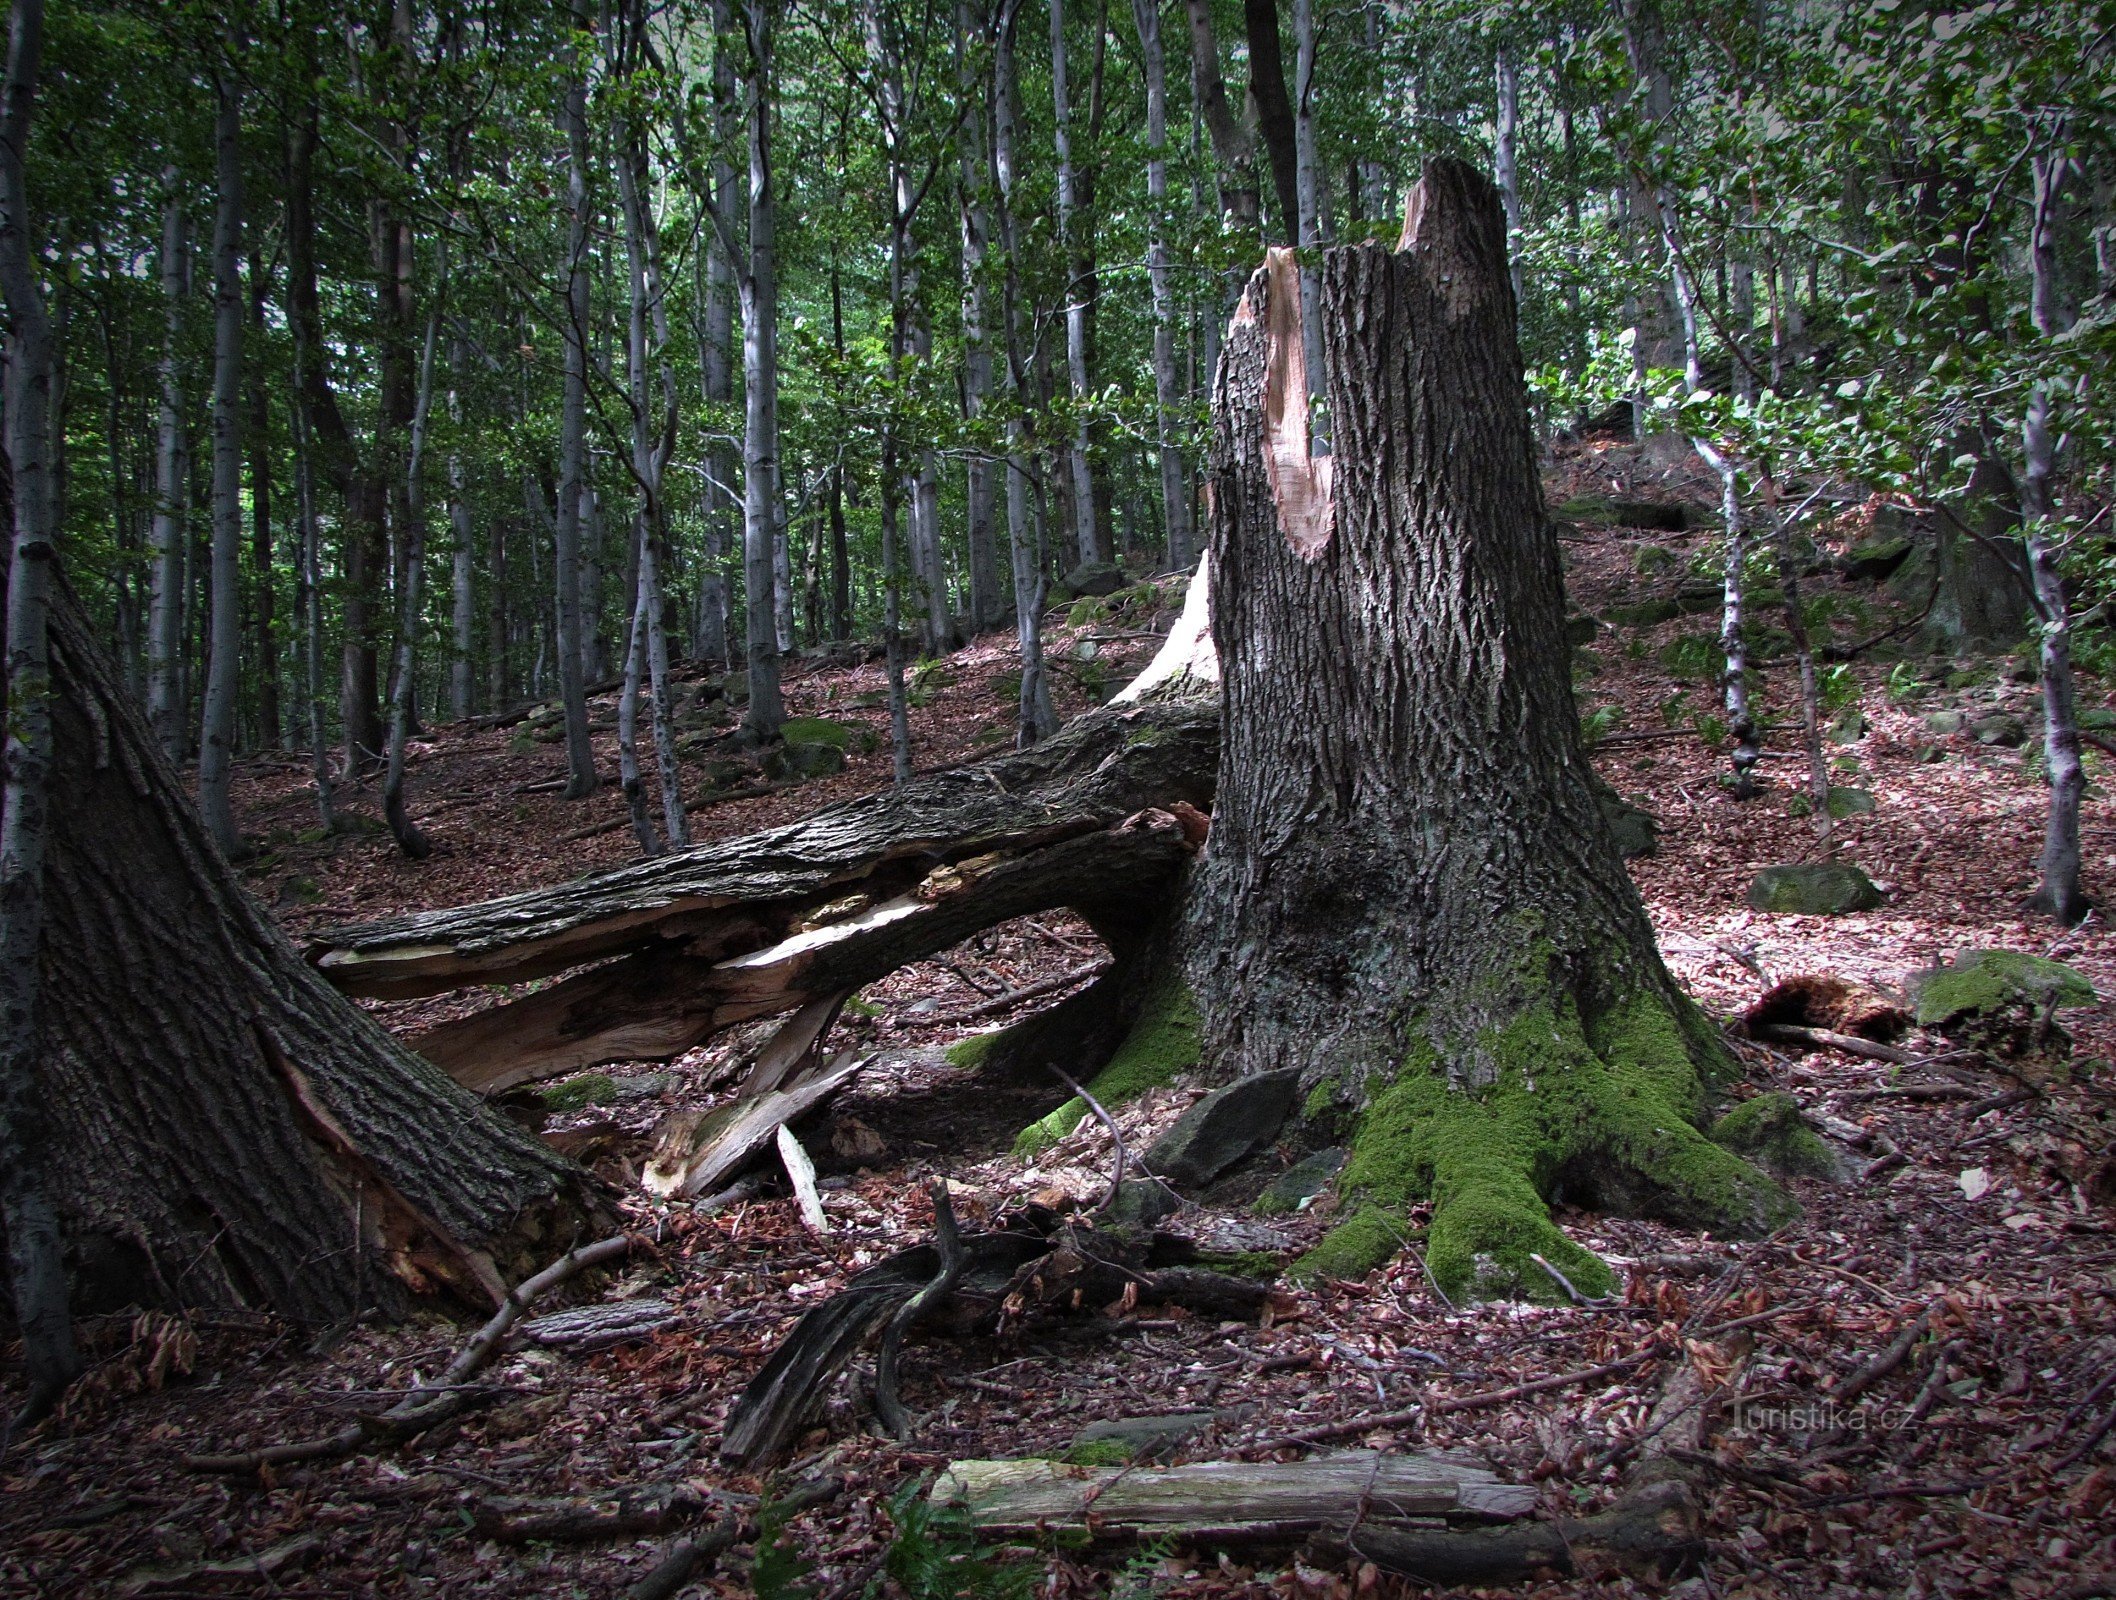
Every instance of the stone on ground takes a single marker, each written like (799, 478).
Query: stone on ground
(1815, 889)
(1223, 1128)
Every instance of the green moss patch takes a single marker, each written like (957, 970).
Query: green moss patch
(575, 1094)
(973, 1051)
(1367, 1239)
(1770, 1131)
(1163, 1041)
(1987, 983)
(1604, 1107)
(821, 730)
(1097, 1453)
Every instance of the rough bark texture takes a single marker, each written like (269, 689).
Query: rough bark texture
(227, 1129)
(1411, 893)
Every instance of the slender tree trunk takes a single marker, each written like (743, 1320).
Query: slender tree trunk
(1274, 113)
(272, 730)
(840, 551)
(1411, 896)
(224, 660)
(2058, 891)
(986, 600)
(1035, 720)
(1175, 480)
(628, 775)
(36, 1271)
(309, 598)
(1733, 642)
(1076, 364)
(581, 777)
(463, 612)
(410, 583)
(1233, 147)
(165, 638)
(1314, 218)
(760, 385)
(1506, 168)
(711, 639)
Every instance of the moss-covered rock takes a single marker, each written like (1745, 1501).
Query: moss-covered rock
(2003, 731)
(1605, 1106)
(1849, 802)
(1872, 560)
(1814, 889)
(1650, 560)
(1770, 1131)
(1367, 1239)
(1641, 613)
(1163, 1041)
(821, 730)
(797, 763)
(1989, 983)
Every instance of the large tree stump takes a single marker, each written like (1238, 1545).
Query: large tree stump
(1411, 893)
(226, 1129)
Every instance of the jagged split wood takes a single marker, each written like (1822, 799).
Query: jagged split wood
(1216, 1502)
(225, 1130)
(792, 917)
(693, 1150)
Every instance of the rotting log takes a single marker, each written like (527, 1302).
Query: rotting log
(743, 895)
(1227, 1500)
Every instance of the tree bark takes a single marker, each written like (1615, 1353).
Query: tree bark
(573, 626)
(165, 638)
(35, 1268)
(1076, 311)
(1274, 112)
(760, 383)
(1035, 719)
(272, 731)
(234, 1133)
(216, 754)
(1409, 863)
(410, 586)
(1233, 148)
(974, 166)
(1175, 480)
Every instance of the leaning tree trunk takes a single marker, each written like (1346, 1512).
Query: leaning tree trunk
(229, 1130)
(1411, 895)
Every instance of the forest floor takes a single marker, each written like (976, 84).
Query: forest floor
(1985, 1463)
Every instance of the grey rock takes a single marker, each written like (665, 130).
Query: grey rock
(1816, 889)
(2003, 730)
(1945, 723)
(1140, 1203)
(1849, 802)
(1637, 830)
(1223, 1128)
(797, 763)
(1095, 577)
(1301, 1182)
(1117, 1439)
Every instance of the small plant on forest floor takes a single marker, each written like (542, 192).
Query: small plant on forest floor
(1904, 683)
(1596, 725)
(1712, 730)
(778, 1569)
(1139, 1578)
(936, 1555)
(1839, 688)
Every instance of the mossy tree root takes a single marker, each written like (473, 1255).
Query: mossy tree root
(1599, 1106)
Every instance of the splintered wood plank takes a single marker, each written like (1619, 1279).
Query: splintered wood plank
(691, 1156)
(1322, 1491)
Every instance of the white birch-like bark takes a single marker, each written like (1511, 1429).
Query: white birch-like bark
(1083, 484)
(760, 384)
(1505, 162)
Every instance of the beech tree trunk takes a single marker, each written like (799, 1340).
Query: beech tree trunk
(1411, 894)
(165, 607)
(216, 748)
(233, 1132)
(573, 623)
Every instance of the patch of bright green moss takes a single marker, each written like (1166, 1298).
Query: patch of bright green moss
(973, 1051)
(1162, 1042)
(821, 730)
(1985, 983)
(1368, 1238)
(1321, 1097)
(589, 1089)
(1607, 1108)
(1770, 1131)
(1097, 1453)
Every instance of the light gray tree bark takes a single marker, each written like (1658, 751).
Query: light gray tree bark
(310, 581)
(581, 778)
(986, 600)
(760, 382)
(1313, 220)
(1175, 478)
(714, 275)
(165, 606)
(1505, 162)
(1035, 719)
(224, 658)
(2058, 891)
(36, 1272)
(410, 586)
(1082, 475)
(463, 556)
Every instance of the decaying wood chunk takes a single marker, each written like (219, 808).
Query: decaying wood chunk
(628, 1514)
(1227, 1498)
(597, 1327)
(695, 1150)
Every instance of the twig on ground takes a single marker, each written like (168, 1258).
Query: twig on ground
(1887, 1361)
(1014, 997)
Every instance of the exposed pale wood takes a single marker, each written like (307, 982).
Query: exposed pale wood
(1323, 1491)
(691, 1156)
(793, 1046)
(801, 1173)
(657, 1004)
(1100, 768)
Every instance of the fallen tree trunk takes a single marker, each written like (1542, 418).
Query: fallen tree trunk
(666, 998)
(1226, 1501)
(745, 894)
